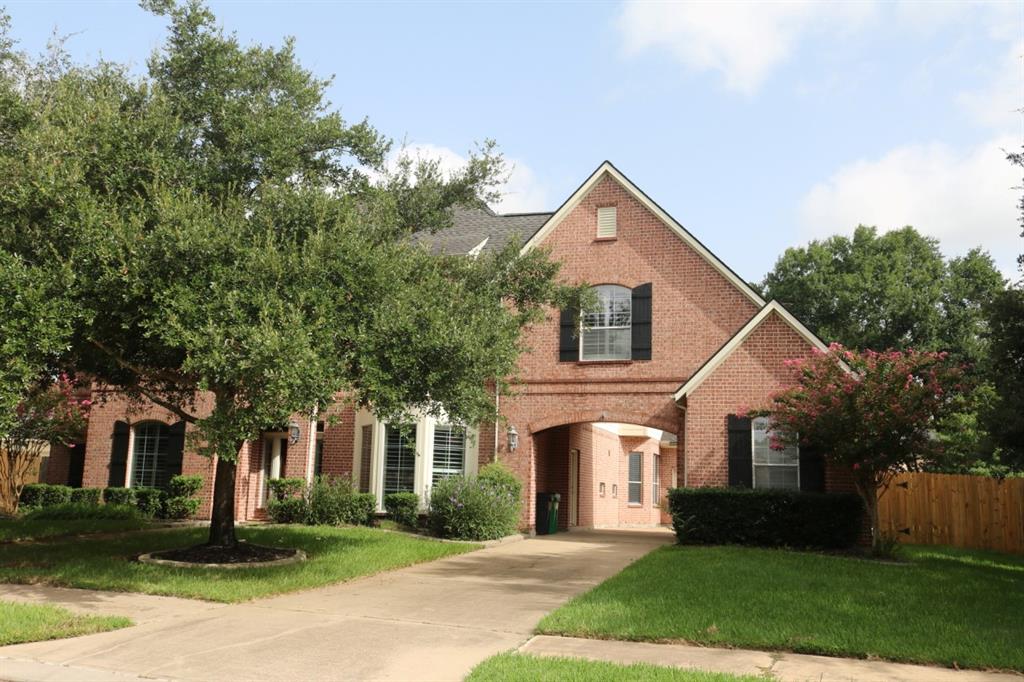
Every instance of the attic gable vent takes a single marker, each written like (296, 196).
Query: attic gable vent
(607, 222)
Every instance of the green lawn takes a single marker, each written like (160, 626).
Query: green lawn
(34, 622)
(504, 667)
(335, 554)
(945, 606)
(33, 529)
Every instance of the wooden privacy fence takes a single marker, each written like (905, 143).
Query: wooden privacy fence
(958, 510)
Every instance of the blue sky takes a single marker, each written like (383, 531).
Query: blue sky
(758, 126)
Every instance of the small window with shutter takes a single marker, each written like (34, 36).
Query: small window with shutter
(636, 477)
(607, 222)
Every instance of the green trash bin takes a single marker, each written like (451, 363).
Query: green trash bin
(553, 512)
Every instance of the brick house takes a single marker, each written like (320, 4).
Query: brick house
(610, 414)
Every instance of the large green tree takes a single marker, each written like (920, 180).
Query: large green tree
(892, 290)
(232, 259)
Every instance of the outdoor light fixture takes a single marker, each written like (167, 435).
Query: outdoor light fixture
(513, 438)
(293, 432)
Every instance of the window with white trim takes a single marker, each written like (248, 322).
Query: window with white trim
(149, 454)
(400, 458)
(636, 478)
(773, 468)
(607, 332)
(656, 481)
(449, 451)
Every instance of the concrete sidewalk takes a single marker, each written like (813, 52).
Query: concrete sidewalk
(773, 665)
(433, 621)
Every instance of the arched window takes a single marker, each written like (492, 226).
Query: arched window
(607, 332)
(150, 454)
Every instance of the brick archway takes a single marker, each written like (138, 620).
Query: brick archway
(608, 416)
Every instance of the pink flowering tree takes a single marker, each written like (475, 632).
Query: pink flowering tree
(871, 413)
(52, 412)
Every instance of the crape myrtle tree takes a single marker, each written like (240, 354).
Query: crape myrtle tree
(240, 253)
(51, 412)
(871, 413)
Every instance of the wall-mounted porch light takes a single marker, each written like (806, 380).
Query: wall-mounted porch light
(293, 432)
(513, 438)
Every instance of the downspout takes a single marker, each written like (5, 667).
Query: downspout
(681, 443)
(497, 416)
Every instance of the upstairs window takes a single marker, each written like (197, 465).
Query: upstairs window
(773, 468)
(607, 332)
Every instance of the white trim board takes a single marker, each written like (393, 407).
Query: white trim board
(737, 340)
(607, 169)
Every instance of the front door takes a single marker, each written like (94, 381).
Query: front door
(275, 450)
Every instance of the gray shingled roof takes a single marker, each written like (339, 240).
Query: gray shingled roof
(470, 226)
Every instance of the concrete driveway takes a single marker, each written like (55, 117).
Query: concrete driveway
(434, 621)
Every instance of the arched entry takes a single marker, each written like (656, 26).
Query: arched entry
(608, 474)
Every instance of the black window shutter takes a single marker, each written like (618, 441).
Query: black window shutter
(568, 336)
(175, 449)
(641, 320)
(812, 470)
(741, 464)
(118, 455)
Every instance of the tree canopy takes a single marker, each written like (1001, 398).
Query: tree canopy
(232, 239)
(892, 290)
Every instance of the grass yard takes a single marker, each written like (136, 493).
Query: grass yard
(34, 622)
(513, 666)
(335, 555)
(12, 530)
(944, 606)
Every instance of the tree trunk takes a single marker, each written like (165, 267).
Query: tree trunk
(869, 493)
(222, 516)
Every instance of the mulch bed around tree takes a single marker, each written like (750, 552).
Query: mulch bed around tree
(242, 553)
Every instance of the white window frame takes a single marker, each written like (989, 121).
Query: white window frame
(611, 289)
(754, 464)
(134, 441)
(656, 481)
(630, 482)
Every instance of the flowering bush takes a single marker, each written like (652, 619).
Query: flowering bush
(871, 413)
(482, 508)
(51, 412)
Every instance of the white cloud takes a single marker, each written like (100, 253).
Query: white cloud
(998, 104)
(522, 192)
(744, 40)
(964, 198)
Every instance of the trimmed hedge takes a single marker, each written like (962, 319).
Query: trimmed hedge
(184, 486)
(149, 501)
(333, 501)
(766, 518)
(288, 510)
(45, 495)
(180, 501)
(68, 512)
(119, 496)
(404, 508)
(86, 496)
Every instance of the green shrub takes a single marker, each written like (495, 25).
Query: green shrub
(119, 496)
(45, 495)
(288, 510)
(86, 496)
(67, 512)
(179, 508)
(483, 508)
(403, 508)
(497, 476)
(184, 486)
(333, 501)
(283, 488)
(767, 518)
(148, 500)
